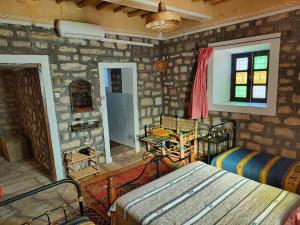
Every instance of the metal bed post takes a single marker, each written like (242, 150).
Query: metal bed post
(234, 133)
(213, 134)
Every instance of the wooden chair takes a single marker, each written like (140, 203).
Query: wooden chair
(183, 135)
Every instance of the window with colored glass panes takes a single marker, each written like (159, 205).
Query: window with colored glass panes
(249, 81)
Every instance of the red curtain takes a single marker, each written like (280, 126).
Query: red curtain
(198, 108)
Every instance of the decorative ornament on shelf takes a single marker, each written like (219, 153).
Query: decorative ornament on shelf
(163, 20)
(161, 65)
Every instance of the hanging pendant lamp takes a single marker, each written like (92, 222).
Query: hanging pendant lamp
(163, 20)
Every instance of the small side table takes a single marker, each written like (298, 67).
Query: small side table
(75, 158)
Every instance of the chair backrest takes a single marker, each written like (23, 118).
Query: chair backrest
(178, 124)
(168, 122)
(186, 125)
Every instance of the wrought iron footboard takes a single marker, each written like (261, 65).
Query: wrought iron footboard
(115, 192)
(44, 188)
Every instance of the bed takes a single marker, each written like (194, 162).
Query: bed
(259, 166)
(202, 194)
(269, 169)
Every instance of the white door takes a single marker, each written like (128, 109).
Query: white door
(120, 110)
(126, 119)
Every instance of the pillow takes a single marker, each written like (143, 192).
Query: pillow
(294, 217)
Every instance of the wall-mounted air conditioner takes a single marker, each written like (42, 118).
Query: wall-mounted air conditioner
(71, 29)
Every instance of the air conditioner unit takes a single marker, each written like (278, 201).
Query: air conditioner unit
(71, 29)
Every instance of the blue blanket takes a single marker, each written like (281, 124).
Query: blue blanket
(276, 171)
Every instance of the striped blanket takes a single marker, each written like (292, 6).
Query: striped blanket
(262, 167)
(202, 194)
(80, 221)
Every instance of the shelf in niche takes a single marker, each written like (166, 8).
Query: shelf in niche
(84, 126)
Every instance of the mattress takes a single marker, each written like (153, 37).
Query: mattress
(202, 194)
(265, 168)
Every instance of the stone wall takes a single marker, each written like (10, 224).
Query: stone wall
(279, 134)
(32, 123)
(72, 59)
(8, 104)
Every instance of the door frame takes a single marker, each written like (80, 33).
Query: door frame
(42, 62)
(102, 66)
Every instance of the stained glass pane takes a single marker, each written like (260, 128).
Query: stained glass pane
(259, 92)
(242, 64)
(241, 91)
(261, 62)
(241, 77)
(260, 77)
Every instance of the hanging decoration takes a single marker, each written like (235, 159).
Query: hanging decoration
(161, 65)
(163, 20)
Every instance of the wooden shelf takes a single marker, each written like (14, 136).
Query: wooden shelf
(75, 158)
(84, 126)
(76, 162)
(83, 173)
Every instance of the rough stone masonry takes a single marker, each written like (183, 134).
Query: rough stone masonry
(169, 93)
(72, 59)
(277, 135)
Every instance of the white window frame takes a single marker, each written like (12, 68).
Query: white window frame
(219, 74)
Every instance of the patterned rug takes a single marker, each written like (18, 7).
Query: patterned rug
(96, 194)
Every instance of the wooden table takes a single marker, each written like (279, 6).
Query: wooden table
(160, 146)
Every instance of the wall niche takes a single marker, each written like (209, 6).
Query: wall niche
(81, 96)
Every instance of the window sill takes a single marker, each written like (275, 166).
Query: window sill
(244, 107)
(246, 104)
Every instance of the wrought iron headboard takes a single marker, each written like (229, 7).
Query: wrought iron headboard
(44, 188)
(220, 138)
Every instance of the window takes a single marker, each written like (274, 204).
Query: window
(252, 89)
(249, 77)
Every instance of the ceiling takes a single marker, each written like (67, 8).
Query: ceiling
(115, 8)
(127, 16)
(139, 8)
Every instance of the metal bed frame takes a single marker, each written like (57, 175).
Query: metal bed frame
(115, 192)
(41, 189)
(220, 138)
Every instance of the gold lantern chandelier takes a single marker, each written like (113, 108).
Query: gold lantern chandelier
(163, 20)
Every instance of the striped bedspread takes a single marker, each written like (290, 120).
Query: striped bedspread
(202, 194)
(262, 167)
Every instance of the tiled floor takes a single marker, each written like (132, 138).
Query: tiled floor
(122, 156)
(23, 176)
(20, 177)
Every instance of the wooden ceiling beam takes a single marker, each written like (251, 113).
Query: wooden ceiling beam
(102, 5)
(120, 8)
(134, 13)
(210, 1)
(146, 14)
(215, 2)
(83, 3)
